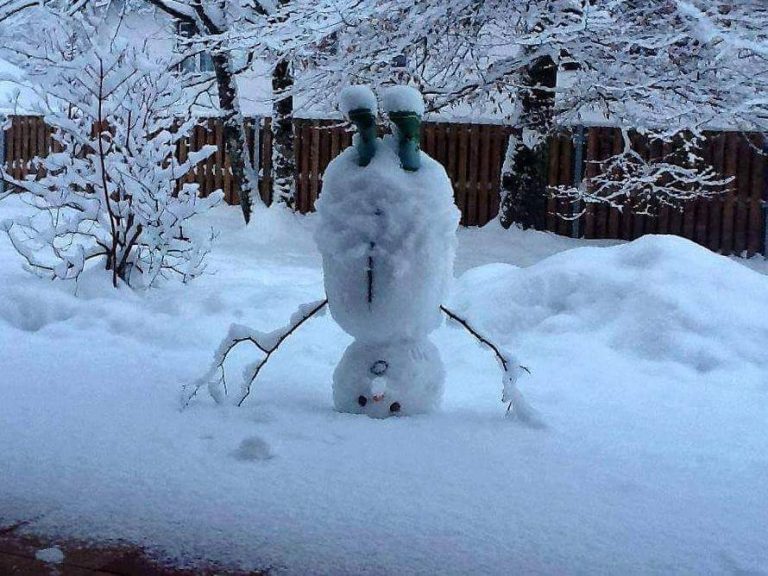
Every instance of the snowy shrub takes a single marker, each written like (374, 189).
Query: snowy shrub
(109, 191)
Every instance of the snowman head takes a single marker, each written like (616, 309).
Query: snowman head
(389, 379)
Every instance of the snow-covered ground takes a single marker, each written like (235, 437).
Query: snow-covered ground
(649, 370)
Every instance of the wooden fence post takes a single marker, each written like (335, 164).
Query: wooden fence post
(765, 195)
(578, 175)
(2, 151)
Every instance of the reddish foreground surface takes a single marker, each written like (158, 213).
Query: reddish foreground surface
(18, 548)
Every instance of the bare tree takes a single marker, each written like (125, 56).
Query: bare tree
(210, 27)
(206, 23)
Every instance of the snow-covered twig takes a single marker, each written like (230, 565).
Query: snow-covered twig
(266, 342)
(516, 404)
(627, 179)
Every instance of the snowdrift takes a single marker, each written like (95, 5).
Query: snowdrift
(659, 298)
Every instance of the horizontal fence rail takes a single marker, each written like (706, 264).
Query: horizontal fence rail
(731, 223)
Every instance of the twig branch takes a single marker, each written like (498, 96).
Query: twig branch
(483, 340)
(268, 343)
(510, 394)
(269, 351)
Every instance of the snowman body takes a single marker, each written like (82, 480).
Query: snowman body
(388, 239)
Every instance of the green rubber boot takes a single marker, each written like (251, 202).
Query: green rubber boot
(408, 139)
(365, 122)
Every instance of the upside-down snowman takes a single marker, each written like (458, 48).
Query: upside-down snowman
(387, 235)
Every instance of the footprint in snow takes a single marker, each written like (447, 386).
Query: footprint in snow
(253, 448)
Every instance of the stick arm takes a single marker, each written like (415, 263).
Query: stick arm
(516, 404)
(266, 342)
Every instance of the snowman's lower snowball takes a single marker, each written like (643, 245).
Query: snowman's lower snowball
(396, 378)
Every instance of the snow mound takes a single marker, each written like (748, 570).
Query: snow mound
(32, 308)
(403, 99)
(356, 98)
(659, 298)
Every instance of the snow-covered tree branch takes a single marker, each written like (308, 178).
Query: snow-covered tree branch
(659, 66)
(629, 180)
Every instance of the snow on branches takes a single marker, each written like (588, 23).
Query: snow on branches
(660, 66)
(110, 190)
(266, 342)
(629, 179)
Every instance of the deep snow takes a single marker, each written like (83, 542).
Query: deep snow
(649, 371)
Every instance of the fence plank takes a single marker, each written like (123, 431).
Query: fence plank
(590, 171)
(566, 179)
(10, 148)
(637, 224)
(731, 150)
(689, 213)
(214, 160)
(181, 154)
(662, 220)
(618, 221)
(601, 211)
(439, 150)
(743, 191)
(23, 146)
(702, 206)
(675, 215)
(484, 175)
(714, 226)
(41, 145)
(499, 153)
(461, 172)
(218, 159)
(302, 202)
(755, 233)
(451, 134)
(314, 188)
(472, 183)
(428, 138)
(553, 179)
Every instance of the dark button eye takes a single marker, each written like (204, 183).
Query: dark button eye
(362, 400)
(394, 407)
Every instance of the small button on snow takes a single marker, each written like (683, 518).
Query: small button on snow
(362, 400)
(379, 367)
(395, 407)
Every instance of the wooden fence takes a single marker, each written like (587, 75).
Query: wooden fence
(472, 155)
(29, 136)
